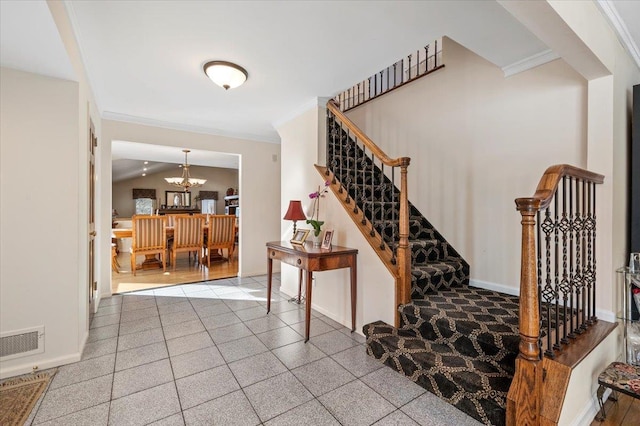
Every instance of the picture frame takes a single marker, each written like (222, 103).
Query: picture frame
(300, 236)
(326, 240)
(177, 199)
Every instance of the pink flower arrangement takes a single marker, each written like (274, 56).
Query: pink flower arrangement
(315, 212)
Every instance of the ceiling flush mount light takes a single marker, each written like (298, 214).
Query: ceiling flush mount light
(185, 181)
(225, 74)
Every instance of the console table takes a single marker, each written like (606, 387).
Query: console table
(307, 258)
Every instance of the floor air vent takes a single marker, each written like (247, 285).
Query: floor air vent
(19, 343)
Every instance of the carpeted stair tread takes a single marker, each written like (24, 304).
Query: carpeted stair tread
(475, 387)
(476, 322)
(433, 269)
(431, 277)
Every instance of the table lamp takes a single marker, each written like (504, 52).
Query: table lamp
(294, 213)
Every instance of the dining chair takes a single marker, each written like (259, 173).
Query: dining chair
(221, 234)
(187, 236)
(148, 237)
(171, 219)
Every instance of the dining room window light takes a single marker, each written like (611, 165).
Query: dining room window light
(144, 206)
(208, 206)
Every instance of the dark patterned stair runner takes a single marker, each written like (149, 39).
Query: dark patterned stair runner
(456, 341)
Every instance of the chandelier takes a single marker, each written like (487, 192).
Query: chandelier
(185, 181)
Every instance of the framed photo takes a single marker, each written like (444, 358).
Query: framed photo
(326, 241)
(175, 199)
(300, 236)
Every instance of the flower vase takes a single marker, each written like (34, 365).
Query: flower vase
(317, 240)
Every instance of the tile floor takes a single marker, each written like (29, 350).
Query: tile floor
(208, 354)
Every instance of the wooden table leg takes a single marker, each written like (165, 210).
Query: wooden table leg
(354, 290)
(299, 286)
(307, 313)
(269, 271)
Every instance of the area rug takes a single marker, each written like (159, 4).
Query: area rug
(19, 395)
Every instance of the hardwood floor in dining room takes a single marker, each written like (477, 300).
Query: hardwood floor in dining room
(185, 272)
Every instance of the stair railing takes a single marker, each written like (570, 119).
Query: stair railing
(413, 66)
(557, 278)
(370, 194)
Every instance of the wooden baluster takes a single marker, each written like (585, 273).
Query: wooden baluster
(523, 400)
(403, 294)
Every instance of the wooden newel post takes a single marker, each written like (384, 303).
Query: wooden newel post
(403, 287)
(523, 400)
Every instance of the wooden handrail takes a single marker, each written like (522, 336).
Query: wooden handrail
(548, 184)
(388, 161)
(572, 228)
(402, 258)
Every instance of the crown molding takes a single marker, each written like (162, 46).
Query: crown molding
(609, 10)
(530, 62)
(114, 116)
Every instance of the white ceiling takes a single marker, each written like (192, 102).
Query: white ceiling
(128, 159)
(144, 58)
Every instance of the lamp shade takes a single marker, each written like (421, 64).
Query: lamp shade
(295, 211)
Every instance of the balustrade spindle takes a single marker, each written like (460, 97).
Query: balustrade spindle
(584, 258)
(435, 54)
(426, 58)
(547, 290)
(393, 215)
(578, 276)
(539, 272)
(347, 178)
(593, 238)
(409, 57)
(556, 283)
(355, 177)
(564, 284)
(418, 62)
(372, 196)
(383, 212)
(364, 183)
(572, 285)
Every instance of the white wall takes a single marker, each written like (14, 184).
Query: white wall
(39, 215)
(259, 185)
(477, 141)
(218, 179)
(300, 139)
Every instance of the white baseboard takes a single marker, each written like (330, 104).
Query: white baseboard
(42, 365)
(514, 291)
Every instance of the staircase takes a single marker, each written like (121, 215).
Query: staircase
(456, 341)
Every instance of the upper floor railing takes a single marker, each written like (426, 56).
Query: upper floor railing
(415, 65)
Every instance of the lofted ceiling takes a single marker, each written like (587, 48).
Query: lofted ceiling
(144, 58)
